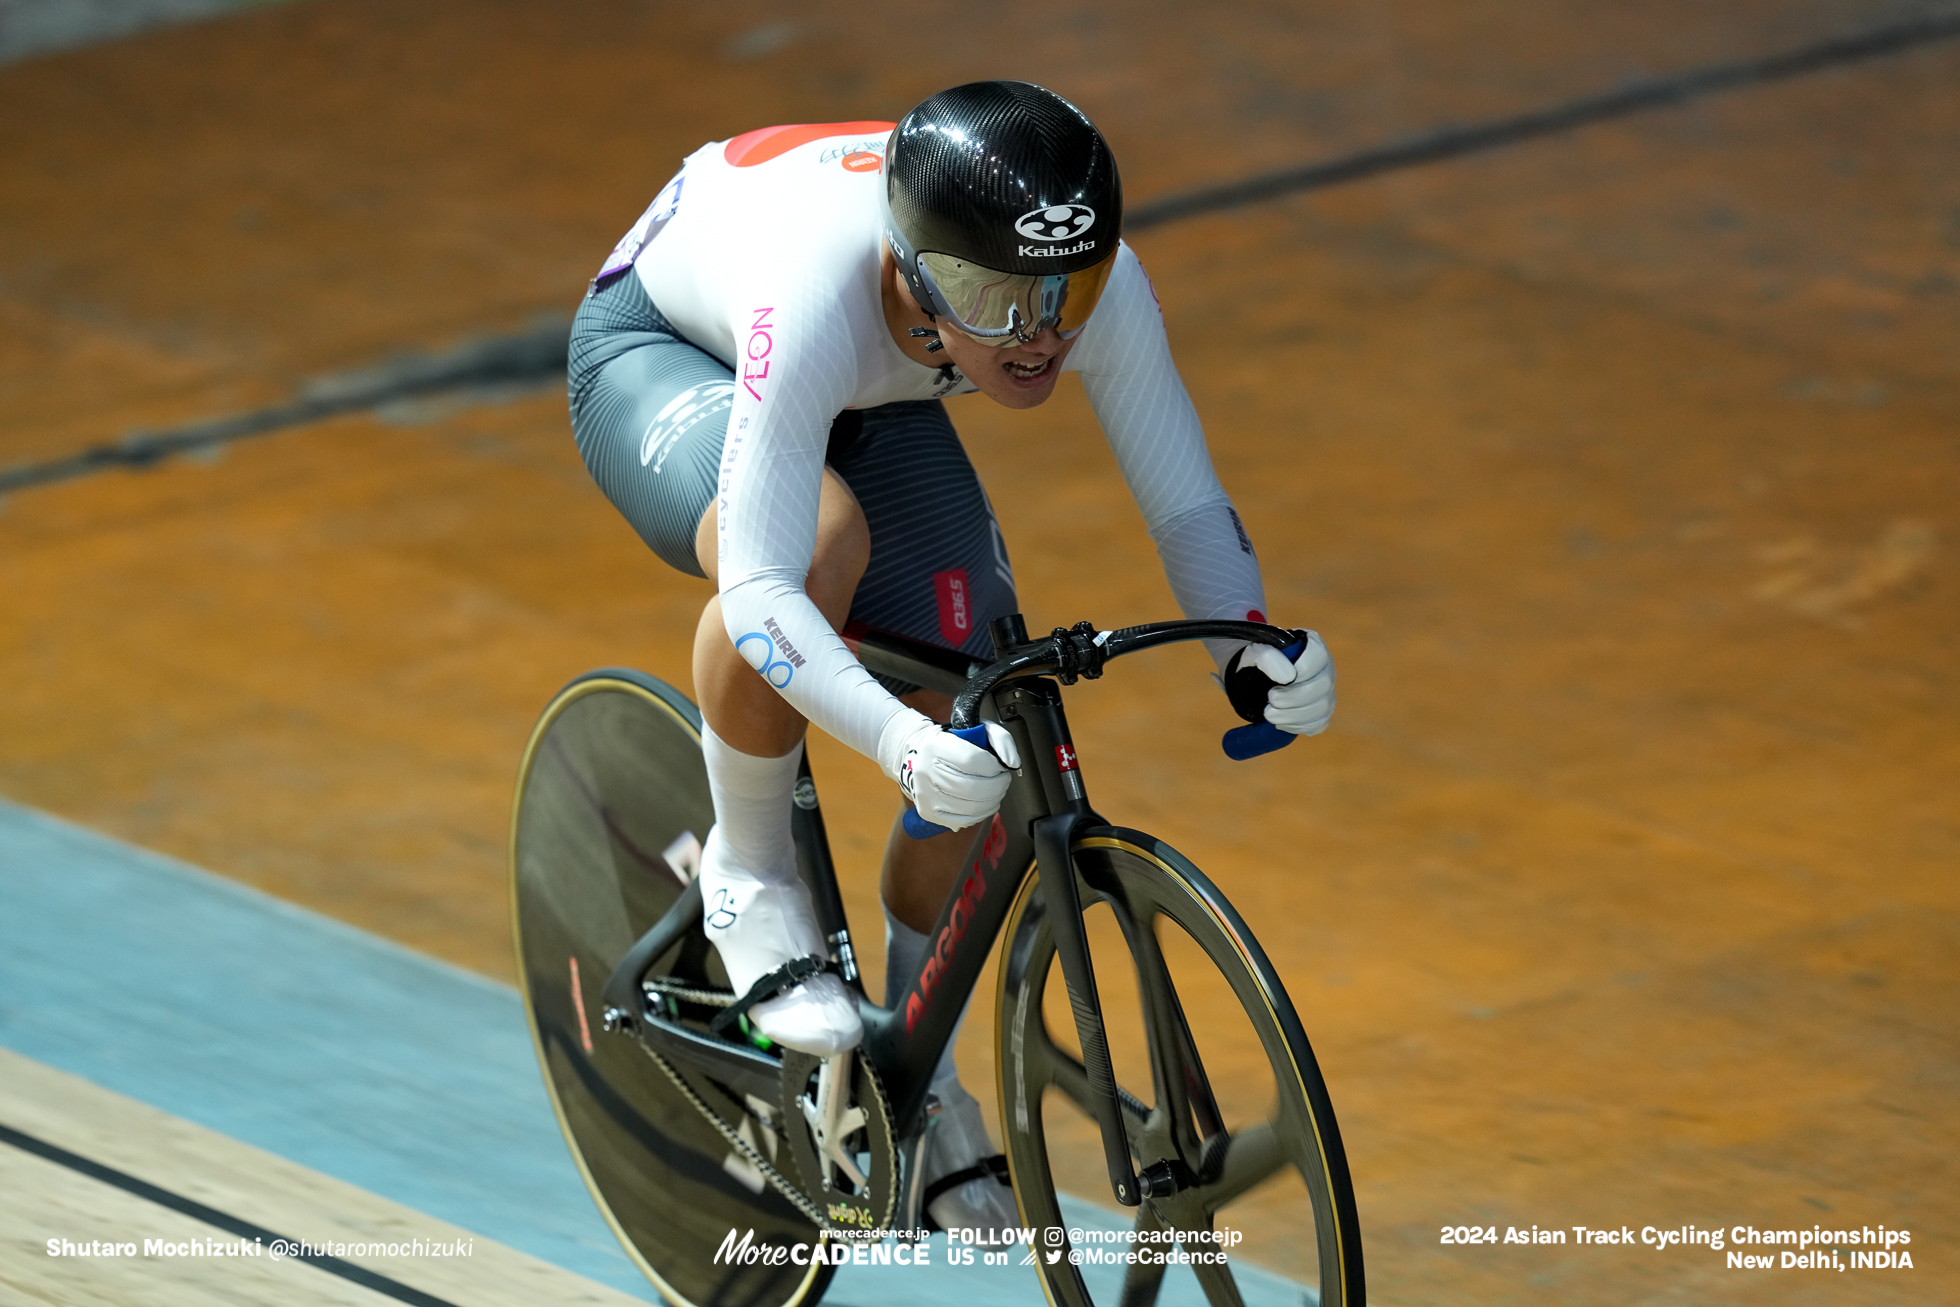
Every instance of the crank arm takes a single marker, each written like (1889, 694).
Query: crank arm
(912, 1199)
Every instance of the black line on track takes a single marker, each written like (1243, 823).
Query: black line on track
(528, 358)
(539, 355)
(348, 1271)
(1453, 142)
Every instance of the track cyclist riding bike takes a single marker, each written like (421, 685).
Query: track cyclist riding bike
(756, 380)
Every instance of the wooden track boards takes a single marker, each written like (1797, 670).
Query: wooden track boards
(42, 1199)
(1617, 471)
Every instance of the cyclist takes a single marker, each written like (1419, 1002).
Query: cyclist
(756, 380)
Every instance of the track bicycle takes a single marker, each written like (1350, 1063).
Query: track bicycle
(688, 1126)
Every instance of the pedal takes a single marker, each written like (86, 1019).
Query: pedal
(1164, 1179)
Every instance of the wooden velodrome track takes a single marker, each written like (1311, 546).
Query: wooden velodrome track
(1618, 470)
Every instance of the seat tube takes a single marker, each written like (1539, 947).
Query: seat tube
(813, 862)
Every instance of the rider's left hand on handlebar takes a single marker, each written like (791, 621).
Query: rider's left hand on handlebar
(1296, 696)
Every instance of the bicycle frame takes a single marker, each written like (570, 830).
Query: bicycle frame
(1046, 802)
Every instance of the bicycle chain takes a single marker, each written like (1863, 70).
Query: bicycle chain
(725, 998)
(705, 997)
(749, 1151)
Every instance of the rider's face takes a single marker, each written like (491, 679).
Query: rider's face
(1018, 375)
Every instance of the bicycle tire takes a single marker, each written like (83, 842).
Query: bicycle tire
(611, 775)
(1144, 882)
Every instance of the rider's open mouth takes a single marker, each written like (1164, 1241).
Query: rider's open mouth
(1030, 371)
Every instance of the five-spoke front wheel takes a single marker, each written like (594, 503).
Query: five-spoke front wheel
(1223, 1103)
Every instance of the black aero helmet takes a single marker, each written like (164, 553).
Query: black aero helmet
(1003, 208)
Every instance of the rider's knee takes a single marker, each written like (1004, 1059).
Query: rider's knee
(843, 548)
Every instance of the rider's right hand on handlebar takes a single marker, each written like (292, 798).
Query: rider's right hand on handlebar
(952, 783)
(1295, 695)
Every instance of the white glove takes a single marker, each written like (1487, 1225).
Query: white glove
(1302, 698)
(952, 783)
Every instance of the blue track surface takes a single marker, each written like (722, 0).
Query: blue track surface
(348, 1054)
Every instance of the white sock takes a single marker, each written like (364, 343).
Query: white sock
(752, 798)
(757, 912)
(905, 950)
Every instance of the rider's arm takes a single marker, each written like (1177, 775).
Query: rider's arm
(1147, 417)
(794, 371)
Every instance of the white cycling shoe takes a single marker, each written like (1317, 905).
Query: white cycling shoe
(959, 1145)
(759, 925)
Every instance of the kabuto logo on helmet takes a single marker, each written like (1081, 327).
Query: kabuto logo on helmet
(1056, 222)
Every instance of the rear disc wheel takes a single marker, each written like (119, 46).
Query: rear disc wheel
(612, 803)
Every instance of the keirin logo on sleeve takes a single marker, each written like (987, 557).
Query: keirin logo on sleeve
(1056, 222)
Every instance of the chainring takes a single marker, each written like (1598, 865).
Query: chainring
(852, 1207)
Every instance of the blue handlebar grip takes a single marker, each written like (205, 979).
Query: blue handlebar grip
(976, 735)
(1253, 739)
(918, 827)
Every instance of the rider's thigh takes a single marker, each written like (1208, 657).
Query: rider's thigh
(650, 412)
